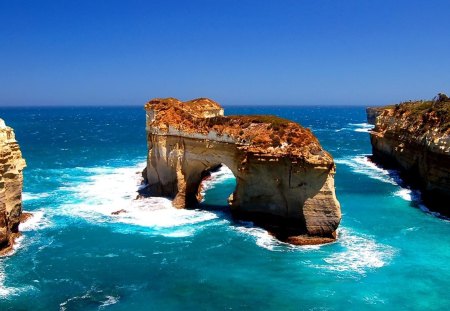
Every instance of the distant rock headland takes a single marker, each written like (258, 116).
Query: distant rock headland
(414, 136)
(11, 166)
(285, 180)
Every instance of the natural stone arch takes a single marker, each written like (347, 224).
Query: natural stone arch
(209, 176)
(288, 188)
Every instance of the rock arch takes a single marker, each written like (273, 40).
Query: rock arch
(284, 179)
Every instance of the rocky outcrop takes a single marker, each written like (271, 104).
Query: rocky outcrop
(11, 166)
(372, 114)
(285, 180)
(414, 137)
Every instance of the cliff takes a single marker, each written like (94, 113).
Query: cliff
(372, 114)
(414, 137)
(11, 166)
(285, 180)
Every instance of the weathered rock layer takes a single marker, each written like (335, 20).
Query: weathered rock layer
(11, 166)
(414, 137)
(285, 180)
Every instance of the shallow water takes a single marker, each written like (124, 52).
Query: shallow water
(84, 163)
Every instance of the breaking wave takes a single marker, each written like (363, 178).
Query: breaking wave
(29, 196)
(357, 127)
(361, 164)
(37, 221)
(110, 195)
(361, 127)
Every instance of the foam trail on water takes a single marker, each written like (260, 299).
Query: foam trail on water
(361, 127)
(265, 240)
(360, 253)
(29, 196)
(262, 237)
(361, 164)
(4, 290)
(357, 127)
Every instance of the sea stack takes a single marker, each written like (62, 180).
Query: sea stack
(285, 180)
(11, 178)
(414, 137)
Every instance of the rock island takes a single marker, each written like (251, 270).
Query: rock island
(284, 178)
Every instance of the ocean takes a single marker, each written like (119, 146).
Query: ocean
(85, 162)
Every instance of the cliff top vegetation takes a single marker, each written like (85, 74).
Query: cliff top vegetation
(426, 114)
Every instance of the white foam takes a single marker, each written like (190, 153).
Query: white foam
(114, 189)
(361, 127)
(110, 300)
(262, 237)
(37, 221)
(4, 290)
(265, 240)
(360, 253)
(357, 127)
(405, 194)
(29, 196)
(87, 296)
(362, 165)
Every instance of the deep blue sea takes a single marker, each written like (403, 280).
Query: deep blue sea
(84, 163)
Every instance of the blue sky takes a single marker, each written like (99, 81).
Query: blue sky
(318, 52)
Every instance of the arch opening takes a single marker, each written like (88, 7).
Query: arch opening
(217, 184)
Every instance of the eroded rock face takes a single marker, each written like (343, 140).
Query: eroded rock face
(11, 166)
(372, 114)
(414, 137)
(285, 180)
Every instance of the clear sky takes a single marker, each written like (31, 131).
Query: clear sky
(335, 52)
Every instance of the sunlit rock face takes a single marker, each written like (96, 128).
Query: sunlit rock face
(415, 138)
(11, 166)
(285, 180)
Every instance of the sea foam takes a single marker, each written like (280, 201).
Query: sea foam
(37, 221)
(360, 253)
(357, 127)
(108, 190)
(29, 196)
(361, 127)
(361, 164)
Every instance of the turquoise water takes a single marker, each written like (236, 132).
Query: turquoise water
(84, 163)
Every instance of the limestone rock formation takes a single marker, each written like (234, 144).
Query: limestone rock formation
(11, 166)
(372, 114)
(415, 137)
(285, 180)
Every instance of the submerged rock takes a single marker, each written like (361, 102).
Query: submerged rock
(11, 166)
(415, 138)
(285, 180)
